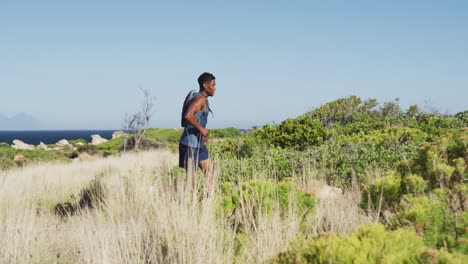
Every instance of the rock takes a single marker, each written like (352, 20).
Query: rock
(20, 160)
(97, 139)
(79, 143)
(63, 142)
(118, 134)
(324, 191)
(43, 146)
(18, 144)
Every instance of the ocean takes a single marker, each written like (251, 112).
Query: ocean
(34, 137)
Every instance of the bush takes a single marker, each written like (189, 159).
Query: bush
(163, 135)
(433, 220)
(88, 148)
(370, 244)
(297, 133)
(437, 125)
(80, 140)
(385, 193)
(463, 117)
(339, 111)
(230, 132)
(262, 196)
(414, 184)
(443, 164)
(36, 155)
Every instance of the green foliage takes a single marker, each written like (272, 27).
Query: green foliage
(413, 110)
(437, 125)
(88, 148)
(391, 111)
(443, 164)
(436, 193)
(263, 196)
(370, 244)
(229, 132)
(274, 162)
(80, 140)
(297, 133)
(7, 155)
(340, 156)
(414, 184)
(384, 193)
(433, 220)
(339, 111)
(344, 156)
(463, 117)
(6, 163)
(153, 138)
(162, 135)
(240, 147)
(112, 146)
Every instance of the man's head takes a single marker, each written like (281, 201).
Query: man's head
(207, 83)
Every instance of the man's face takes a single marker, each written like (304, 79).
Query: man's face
(210, 87)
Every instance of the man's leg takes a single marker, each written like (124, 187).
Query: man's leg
(188, 159)
(207, 167)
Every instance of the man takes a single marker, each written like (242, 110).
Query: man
(192, 144)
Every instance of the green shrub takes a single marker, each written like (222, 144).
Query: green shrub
(263, 196)
(414, 184)
(370, 244)
(432, 219)
(297, 133)
(443, 164)
(36, 155)
(163, 135)
(340, 111)
(113, 146)
(384, 193)
(7, 163)
(230, 132)
(437, 125)
(80, 140)
(463, 117)
(88, 148)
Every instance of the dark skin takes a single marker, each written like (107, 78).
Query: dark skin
(198, 105)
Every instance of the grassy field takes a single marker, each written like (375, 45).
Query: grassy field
(349, 182)
(135, 215)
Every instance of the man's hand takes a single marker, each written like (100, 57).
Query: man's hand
(204, 132)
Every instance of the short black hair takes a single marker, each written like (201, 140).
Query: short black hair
(205, 77)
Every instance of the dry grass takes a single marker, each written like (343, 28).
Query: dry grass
(143, 218)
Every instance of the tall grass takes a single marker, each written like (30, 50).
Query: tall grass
(140, 217)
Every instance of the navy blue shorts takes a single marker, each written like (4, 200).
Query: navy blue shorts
(187, 153)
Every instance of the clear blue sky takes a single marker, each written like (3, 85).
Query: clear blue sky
(79, 64)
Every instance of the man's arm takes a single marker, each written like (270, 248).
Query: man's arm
(198, 104)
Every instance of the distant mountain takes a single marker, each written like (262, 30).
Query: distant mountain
(20, 122)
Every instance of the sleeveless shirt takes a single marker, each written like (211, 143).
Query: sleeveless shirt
(191, 137)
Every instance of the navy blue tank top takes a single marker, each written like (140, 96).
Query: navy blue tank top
(191, 136)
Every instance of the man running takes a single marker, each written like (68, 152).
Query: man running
(193, 153)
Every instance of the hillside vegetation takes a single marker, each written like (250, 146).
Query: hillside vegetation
(351, 181)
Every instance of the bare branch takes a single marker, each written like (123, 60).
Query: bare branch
(138, 123)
